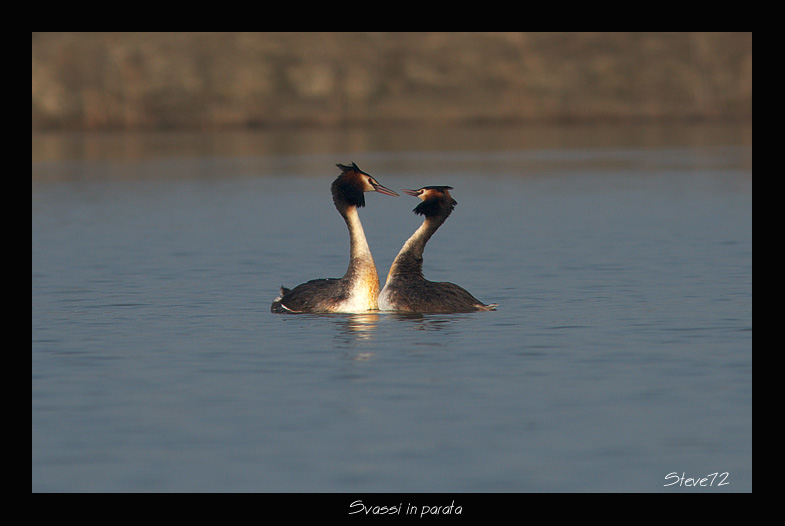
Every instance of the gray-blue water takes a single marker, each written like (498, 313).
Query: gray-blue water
(620, 354)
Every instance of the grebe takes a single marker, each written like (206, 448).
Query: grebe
(406, 289)
(358, 289)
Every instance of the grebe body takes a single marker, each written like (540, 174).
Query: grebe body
(406, 289)
(358, 289)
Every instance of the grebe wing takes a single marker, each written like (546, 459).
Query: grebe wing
(317, 295)
(435, 297)
(449, 297)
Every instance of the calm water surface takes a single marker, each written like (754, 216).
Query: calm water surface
(621, 351)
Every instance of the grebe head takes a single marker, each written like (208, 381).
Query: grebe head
(348, 189)
(436, 201)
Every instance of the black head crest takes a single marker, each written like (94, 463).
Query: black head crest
(345, 191)
(440, 205)
(353, 168)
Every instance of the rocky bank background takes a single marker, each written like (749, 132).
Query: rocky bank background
(208, 81)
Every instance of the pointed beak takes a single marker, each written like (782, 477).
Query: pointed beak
(415, 193)
(383, 189)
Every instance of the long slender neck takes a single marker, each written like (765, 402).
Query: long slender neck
(408, 262)
(359, 252)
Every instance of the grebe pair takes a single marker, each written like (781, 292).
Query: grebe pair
(406, 289)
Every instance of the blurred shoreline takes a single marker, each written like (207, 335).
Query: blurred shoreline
(212, 154)
(97, 82)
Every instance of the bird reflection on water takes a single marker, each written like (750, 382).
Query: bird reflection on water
(363, 328)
